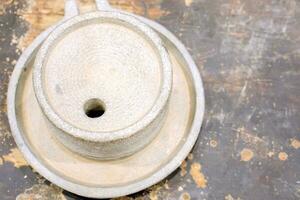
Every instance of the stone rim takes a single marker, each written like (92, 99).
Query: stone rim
(129, 131)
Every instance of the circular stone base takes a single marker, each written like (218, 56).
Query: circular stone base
(104, 179)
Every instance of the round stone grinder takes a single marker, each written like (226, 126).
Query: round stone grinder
(106, 103)
(103, 79)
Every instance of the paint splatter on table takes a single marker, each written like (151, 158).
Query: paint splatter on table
(248, 53)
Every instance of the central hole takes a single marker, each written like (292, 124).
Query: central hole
(94, 108)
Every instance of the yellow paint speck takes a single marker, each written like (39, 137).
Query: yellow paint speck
(295, 143)
(190, 156)
(229, 197)
(185, 196)
(154, 191)
(198, 176)
(15, 157)
(153, 195)
(271, 154)
(183, 168)
(166, 185)
(188, 2)
(213, 143)
(283, 156)
(246, 155)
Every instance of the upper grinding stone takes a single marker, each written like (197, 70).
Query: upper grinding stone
(113, 59)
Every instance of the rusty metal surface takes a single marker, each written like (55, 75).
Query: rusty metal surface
(248, 55)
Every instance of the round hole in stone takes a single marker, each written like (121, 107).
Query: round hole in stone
(94, 108)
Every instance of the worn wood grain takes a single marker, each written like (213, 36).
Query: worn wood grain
(248, 54)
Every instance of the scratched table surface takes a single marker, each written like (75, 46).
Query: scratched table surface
(248, 53)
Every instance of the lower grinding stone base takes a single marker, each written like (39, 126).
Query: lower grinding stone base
(37, 131)
(103, 179)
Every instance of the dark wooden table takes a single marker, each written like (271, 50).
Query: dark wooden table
(248, 52)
